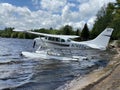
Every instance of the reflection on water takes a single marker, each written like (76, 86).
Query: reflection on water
(21, 73)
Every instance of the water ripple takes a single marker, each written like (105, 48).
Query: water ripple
(19, 73)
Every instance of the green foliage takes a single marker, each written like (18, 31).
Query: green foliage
(108, 17)
(21, 35)
(104, 17)
(85, 33)
(14, 34)
(78, 32)
(118, 1)
(66, 30)
(6, 33)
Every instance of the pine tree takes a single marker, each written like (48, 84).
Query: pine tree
(78, 32)
(85, 33)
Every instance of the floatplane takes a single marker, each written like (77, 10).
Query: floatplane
(60, 47)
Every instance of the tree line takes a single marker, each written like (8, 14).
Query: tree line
(66, 30)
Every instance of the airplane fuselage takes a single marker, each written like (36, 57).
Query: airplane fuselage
(53, 42)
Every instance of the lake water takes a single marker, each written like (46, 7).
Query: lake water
(20, 73)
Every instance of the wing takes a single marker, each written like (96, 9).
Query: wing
(46, 35)
(51, 35)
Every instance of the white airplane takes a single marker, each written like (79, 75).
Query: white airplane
(65, 42)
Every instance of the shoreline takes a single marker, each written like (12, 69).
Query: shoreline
(89, 81)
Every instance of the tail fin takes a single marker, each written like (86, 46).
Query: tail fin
(102, 39)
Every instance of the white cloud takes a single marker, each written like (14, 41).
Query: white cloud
(51, 13)
(90, 8)
(70, 16)
(50, 5)
(12, 16)
(91, 22)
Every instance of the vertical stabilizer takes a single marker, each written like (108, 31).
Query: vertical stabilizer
(102, 39)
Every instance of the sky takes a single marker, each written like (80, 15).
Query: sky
(35, 14)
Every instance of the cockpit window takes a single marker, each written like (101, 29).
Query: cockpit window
(49, 38)
(54, 39)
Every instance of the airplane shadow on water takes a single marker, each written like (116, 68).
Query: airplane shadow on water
(20, 73)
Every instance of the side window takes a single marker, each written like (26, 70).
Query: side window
(52, 38)
(62, 40)
(57, 39)
(68, 40)
(45, 37)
